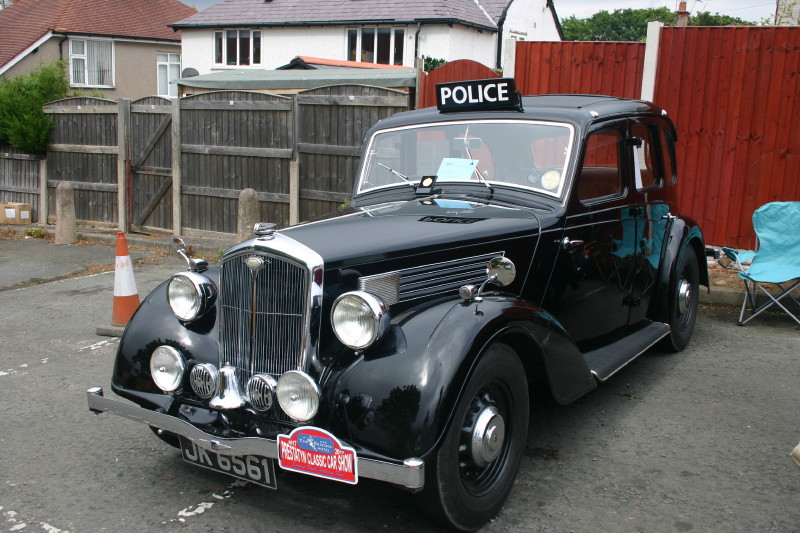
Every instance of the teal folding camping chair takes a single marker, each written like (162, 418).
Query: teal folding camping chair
(776, 262)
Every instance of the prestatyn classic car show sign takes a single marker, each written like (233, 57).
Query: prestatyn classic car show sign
(476, 95)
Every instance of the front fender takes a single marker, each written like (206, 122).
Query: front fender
(400, 404)
(154, 325)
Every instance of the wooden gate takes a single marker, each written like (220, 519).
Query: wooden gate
(151, 164)
(331, 124)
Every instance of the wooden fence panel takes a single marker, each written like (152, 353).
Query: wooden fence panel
(331, 124)
(151, 164)
(611, 68)
(459, 70)
(19, 178)
(232, 140)
(732, 93)
(83, 150)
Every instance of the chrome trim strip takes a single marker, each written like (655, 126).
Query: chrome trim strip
(410, 474)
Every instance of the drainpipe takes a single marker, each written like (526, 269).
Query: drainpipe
(416, 40)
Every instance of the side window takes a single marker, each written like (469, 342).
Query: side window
(601, 174)
(644, 159)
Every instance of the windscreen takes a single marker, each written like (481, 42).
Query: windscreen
(529, 155)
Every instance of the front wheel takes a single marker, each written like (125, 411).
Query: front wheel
(471, 474)
(684, 297)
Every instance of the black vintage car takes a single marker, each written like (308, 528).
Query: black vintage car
(490, 243)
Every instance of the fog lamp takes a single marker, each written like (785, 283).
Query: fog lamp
(166, 368)
(298, 395)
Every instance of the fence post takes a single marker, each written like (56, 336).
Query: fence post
(43, 190)
(66, 232)
(123, 163)
(510, 59)
(249, 213)
(176, 167)
(294, 192)
(650, 60)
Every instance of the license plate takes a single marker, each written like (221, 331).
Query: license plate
(252, 468)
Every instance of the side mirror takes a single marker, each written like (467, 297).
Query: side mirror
(500, 271)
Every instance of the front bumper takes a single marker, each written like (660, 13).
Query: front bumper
(410, 474)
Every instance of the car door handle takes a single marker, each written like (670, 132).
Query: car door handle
(568, 244)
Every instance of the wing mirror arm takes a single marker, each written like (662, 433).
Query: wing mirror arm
(195, 264)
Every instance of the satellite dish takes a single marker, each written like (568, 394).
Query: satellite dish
(189, 72)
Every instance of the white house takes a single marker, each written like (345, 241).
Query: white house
(266, 34)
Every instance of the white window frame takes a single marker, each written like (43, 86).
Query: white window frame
(172, 88)
(359, 45)
(85, 58)
(223, 33)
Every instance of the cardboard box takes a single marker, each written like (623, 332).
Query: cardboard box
(15, 213)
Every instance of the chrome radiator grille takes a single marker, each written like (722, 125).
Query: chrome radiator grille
(263, 313)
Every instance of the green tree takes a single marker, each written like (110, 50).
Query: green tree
(704, 18)
(23, 123)
(631, 24)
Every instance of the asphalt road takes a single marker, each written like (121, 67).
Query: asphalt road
(696, 441)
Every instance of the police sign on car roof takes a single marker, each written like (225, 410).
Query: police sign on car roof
(475, 95)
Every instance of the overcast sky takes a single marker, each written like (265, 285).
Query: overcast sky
(752, 10)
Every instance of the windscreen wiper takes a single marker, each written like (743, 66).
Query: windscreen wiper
(396, 173)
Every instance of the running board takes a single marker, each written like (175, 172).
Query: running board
(608, 360)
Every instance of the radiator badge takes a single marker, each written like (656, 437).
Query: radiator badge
(254, 263)
(316, 452)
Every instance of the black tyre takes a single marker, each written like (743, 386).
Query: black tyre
(684, 296)
(471, 474)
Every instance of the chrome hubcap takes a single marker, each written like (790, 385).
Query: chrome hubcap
(487, 436)
(684, 296)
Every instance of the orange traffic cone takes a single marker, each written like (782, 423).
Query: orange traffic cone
(126, 297)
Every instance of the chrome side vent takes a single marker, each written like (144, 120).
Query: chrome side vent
(385, 286)
(427, 280)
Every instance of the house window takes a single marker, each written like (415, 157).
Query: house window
(91, 63)
(376, 45)
(237, 47)
(169, 69)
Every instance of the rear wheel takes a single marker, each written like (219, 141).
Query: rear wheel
(471, 474)
(684, 297)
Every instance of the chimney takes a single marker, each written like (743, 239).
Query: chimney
(682, 16)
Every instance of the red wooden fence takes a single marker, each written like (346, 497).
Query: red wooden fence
(580, 68)
(733, 95)
(463, 69)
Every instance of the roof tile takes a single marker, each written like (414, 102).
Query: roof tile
(484, 13)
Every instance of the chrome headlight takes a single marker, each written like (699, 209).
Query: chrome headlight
(359, 319)
(190, 295)
(166, 368)
(298, 395)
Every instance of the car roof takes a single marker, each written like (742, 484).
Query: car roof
(579, 109)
